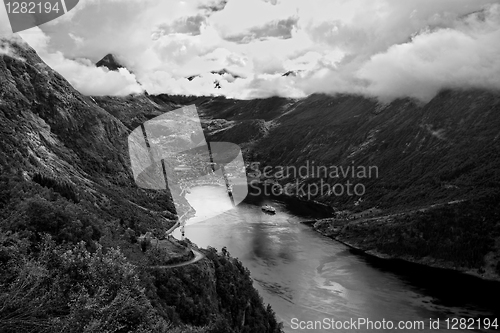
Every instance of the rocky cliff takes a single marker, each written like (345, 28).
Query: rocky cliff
(70, 216)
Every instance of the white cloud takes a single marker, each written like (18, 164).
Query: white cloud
(239, 16)
(464, 56)
(82, 73)
(385, 48)
(90, 80)
(79, 41)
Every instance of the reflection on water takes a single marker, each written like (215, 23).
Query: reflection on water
(309, 277)
(208, 201)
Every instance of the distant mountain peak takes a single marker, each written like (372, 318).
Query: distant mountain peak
(292, 73)
(225, 71)
(110, 62)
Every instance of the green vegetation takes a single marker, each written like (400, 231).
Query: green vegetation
(33, 210)
(461, 233)
(71, 213)
(185, 296)
(71, 216)
(444, 151)
(46, 287)
(159, 255)
(55, 276)
(65, 189)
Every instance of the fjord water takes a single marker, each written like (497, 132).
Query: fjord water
(306, 276)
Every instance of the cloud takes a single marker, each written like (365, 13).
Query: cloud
(187, 25)
(383, 48)
(81, 73)
(241, 16)
(213, 6)
(89, 80)
(277, 29)
(466, 55)
(79, 41)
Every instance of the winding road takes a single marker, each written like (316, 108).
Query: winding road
(197, 257)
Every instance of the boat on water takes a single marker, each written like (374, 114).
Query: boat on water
(269, 209)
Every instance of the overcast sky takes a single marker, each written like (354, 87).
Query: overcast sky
(383, 48)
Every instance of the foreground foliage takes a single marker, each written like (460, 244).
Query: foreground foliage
(55, 276)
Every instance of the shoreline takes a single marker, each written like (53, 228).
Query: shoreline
(406, 260)
(318, 211)
(428, 262)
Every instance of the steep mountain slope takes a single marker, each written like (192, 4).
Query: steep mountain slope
(433, 195)
(422, 158)
(425, 156)
(418, 167)
(68, 201)
(51, 129)
(444, 150)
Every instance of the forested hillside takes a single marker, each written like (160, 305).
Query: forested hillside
(71, 215)
(434, 196)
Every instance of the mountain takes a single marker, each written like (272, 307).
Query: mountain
(433, 193)
(433, 197)
(109, 61)
(68, 199)
(72, 258)
(445, 150)
(223, 73)
(292, 73)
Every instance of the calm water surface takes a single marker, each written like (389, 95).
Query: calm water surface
(306, 276)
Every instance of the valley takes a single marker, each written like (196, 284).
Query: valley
(437, 167)
(67, 185)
